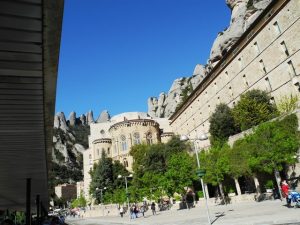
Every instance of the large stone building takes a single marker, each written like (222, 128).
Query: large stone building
(265, 57)
(115, 136)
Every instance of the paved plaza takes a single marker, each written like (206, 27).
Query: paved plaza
(246, 213)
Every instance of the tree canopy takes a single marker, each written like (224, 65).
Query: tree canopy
(253, 108)
(222, 124)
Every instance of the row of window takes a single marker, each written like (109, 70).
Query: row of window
(285, 51)
(136, 141)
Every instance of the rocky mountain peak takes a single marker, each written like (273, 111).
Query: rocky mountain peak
(103, 117)
(243, 14)
(90, 117)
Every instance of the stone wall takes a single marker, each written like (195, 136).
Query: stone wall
(268, 58)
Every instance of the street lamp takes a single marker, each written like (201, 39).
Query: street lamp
(125, 178)
(101, 192)
(201, 137)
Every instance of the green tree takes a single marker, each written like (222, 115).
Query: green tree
(79, 202)
(216, 163)
(181, 172)
(253, 108)
(102, 175)
(151, 163)
(273, 144)
(221, 124)
(238, 160)
(139, 152)
(118, 169)
(152, 184)
(175, 145)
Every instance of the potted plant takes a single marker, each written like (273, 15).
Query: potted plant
(269, 186)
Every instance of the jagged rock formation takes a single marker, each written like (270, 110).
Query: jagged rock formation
(89, 117)
(70, 139)
(72, 119)
(166, 104)
(244, 13)
(60, 121)
(103, 117)
(82, 119)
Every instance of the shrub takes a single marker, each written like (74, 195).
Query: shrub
(287, 104)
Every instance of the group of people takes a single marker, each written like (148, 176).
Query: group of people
(291, 196)
(138, 211)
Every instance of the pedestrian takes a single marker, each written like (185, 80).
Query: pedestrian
(285, 191)
(153, 208)
(132, 214)
(121, 211)
(142, 210)
(135, 211)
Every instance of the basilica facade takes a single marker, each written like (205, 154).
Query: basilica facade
(115, 136)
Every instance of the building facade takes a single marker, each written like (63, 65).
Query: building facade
(115, 136)
(66, 191)
(266, 57)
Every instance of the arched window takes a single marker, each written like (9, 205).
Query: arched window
(149, 138)
(136, 138)
(108, 151)
(123, 143)
(125, 162)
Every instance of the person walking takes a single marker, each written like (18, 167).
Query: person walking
(121, 211)
(153, 208)
(285, 191)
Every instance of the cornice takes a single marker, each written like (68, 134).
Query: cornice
(129, 123)
(102, 140)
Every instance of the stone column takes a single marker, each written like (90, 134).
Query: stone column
(237, 186)
(221, 190)
(256, 182)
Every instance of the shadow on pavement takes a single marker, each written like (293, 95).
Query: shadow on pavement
(218, 215)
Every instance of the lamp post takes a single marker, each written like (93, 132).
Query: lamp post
(202, 137)
(101, 197)
(101, 192)
(127, 195)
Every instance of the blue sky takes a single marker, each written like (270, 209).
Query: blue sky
(117, 53)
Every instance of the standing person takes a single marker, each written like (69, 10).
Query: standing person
(142, 210)
(153, 208)
(121, 211)
(132, 214)
(285, 191)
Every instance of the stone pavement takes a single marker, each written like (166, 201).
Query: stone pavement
(245, 213)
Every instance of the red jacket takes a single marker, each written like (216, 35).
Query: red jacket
(285, 189)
